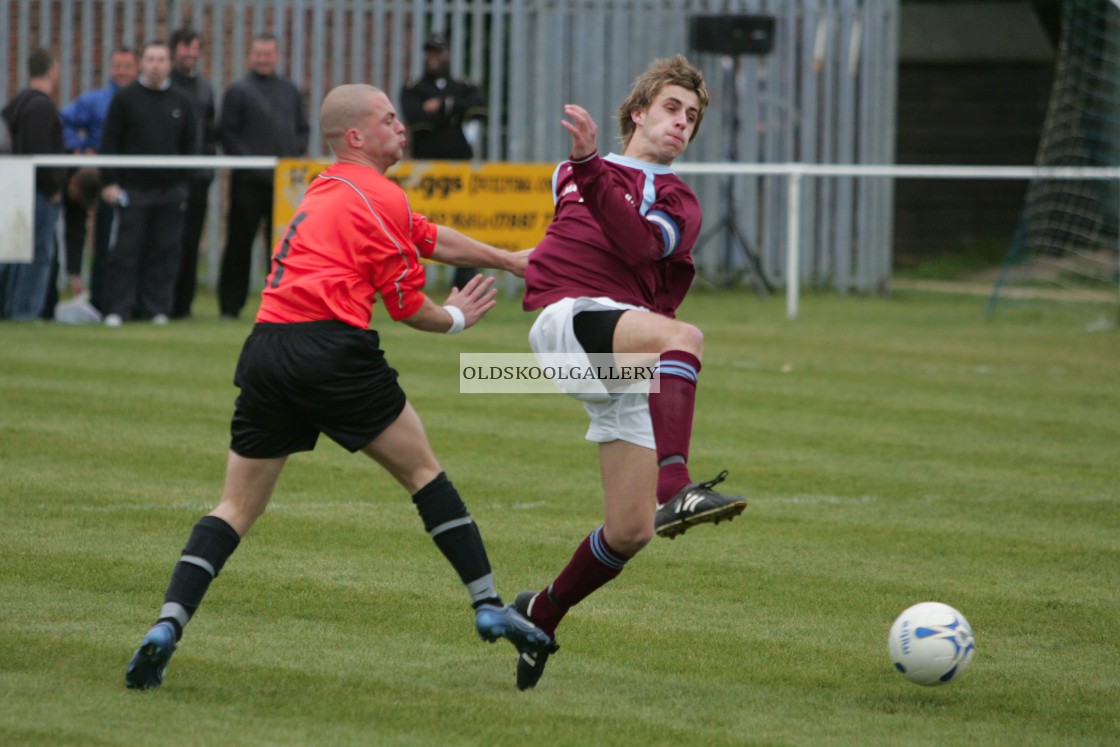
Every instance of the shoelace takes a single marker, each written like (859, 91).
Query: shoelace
(713, 482)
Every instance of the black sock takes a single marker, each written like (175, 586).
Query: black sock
(211, 543)
(456, 535)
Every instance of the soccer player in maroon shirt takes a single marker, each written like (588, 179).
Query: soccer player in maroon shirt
(609, 275)
(312, 365)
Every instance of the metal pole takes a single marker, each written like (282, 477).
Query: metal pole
(793, 244)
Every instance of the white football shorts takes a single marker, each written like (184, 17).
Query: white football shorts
(617, 417)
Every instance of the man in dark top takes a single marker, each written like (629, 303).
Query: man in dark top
(262, 115)
(149, 117)
(82, 123)
(81, 196)
(186, 46)
(437, 108)
(32, 119)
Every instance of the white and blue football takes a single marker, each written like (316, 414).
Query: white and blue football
(931, 643)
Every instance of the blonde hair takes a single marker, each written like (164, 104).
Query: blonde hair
(673, 71)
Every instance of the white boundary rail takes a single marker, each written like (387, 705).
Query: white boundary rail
(796, 172)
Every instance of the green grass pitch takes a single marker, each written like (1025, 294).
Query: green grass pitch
(893, 450)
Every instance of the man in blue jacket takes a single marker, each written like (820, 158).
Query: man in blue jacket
(83, 118)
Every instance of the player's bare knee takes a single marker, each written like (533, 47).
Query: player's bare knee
(630, 540)
(686, 337)
(238, 516)
(413, 469)
(414, 479)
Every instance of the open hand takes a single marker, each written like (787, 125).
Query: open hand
(583, 129)
(474, 299)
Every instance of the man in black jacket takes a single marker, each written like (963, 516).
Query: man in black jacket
(33, 122)
(439, 110)
(262, 115)
(186, 47)
(149, 117)
(437, 107)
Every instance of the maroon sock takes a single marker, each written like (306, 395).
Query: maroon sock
(671, 410)
(593, 564)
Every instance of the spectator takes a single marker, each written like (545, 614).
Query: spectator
(148, 117)
(437, 107)
(186, 46)
(32, 118)
(443, 115)
(83, 191)
(82, 121)
(84, 117)
(82, 195)
(262, 115)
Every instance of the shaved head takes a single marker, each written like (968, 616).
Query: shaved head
(361, 126)
(345, 107)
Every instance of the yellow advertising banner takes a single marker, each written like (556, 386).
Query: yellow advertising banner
(507, 205)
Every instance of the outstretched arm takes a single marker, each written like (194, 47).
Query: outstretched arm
(459, 250)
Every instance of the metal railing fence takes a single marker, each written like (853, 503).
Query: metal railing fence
(826, 93)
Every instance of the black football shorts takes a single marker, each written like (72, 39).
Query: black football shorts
(300, 380)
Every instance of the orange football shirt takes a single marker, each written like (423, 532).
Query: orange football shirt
(353, 236)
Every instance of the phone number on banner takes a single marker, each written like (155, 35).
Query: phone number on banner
(507, 205)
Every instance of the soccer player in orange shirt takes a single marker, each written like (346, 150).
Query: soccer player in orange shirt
(312, 365)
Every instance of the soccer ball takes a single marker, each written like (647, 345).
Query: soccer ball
(931, 643)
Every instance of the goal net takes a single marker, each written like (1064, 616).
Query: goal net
(1067, 232)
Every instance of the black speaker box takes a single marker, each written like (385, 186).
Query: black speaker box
(732, 34)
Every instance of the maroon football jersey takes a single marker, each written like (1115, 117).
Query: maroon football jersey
(623, 229)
